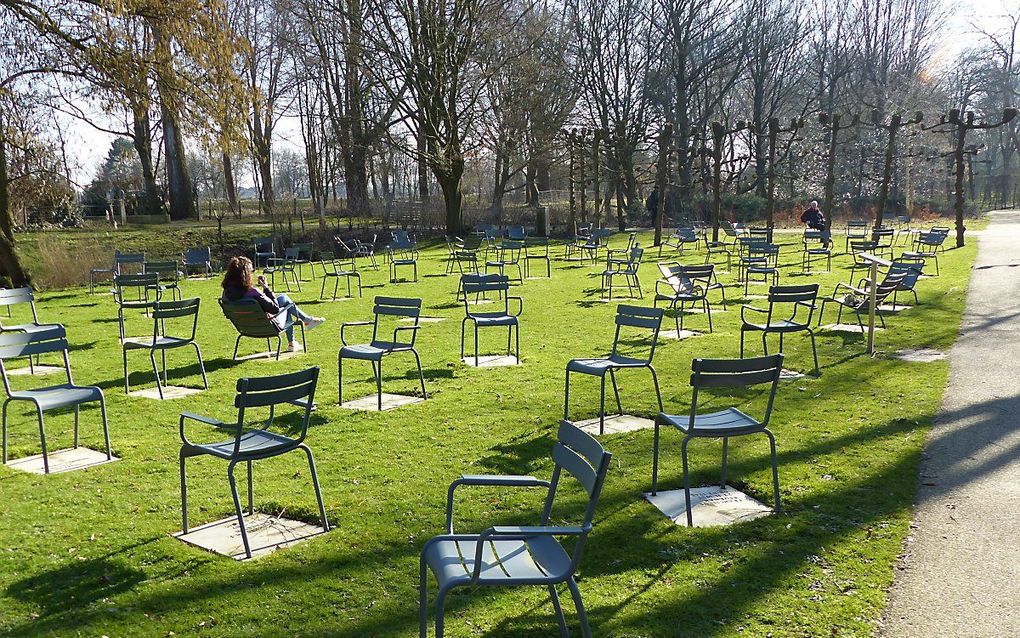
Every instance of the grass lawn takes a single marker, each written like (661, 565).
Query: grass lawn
(89, 553)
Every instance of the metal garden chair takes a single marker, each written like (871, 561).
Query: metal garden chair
(598, 240)
(679, 239)
(724, 424)
(517, 233)
(286, 267)
(682, 285)
(857, 249)
(55, 397)
(480, 285)
(628, 270)
(760, 259)
(856, 230)
(912, 271)
(572, 247)
(813, 247)
(393, 308)
(467, 264)
(302, 256)
(402, 258)
(858, 299)
(336, 269)
(264, 249)
(760, 233)
(785, 303)
(198, 257)
(884, 237)
(453, 244)
(248, 445)
(618, 256)
(11, 297)
(251, 321)
(122, 264)
(507, 255)
(537, 249)
(927, 245)
(403, 245)
(135, 292)
(163, 312)
(510, 555)
(631, 317)
(168, 276)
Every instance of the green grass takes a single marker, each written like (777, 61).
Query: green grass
(90, 553)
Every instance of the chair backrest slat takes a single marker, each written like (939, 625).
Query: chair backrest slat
(14, 345)
(576, 465)
(793, 294)
(248, 318)
(397, 306)
(474, 284)
(639, 317)
(176, 309)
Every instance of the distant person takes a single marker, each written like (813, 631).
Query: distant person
(815, 220)
(652, 203)
(237, 285)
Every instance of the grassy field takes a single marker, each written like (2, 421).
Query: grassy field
(90, 553)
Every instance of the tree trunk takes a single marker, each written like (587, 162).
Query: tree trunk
(665, 138)
(453, 197)
(890, 154)
(143, 146)
(10, 263)
(230, 185)
(959, 167)
(718, 134)
(179, 188)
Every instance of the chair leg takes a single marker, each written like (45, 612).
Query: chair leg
(655, 382)
(616, 391)
(566, 402)
(315, 485)
(655, 459)
(687, 481)
(421, 375)
(201, 365)
(423, 599)
(575, 593)
(251, 489)
(76, 410)
(236, 344)
(476, 344)
(775, 468)
(42, 439)
(159, 385)
(127, 388)
(602, 405)
(440, 611)
(814, 349)
(564, 632)
(184, 495)
(378, 383)
(237, 508)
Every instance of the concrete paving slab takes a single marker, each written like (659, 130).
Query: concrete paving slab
(39, 371)
(491, 361)
(847, 327)
(920, 355)
(271, 356)
(616, 424)
(266, 534)
(678, 334)
(67, 460)
(959, 574)
(789, 375)
(169, 392)
(711, 506)
(389, 402)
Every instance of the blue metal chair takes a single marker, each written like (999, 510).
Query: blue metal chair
(11, 297)
(517, 233)
(199, 257)
(135, 292)
(377, 348)
(507, 255)
(123, 263)
(337, 269)
(164, 312)
(537, 249)
(814, 247)
(250, 320)
(631, 317)
(760, 259)
(682, 285)
(856, 230)
(264, 249)
(782, 299)
(511, 555)
(45, 399)
(480, 285)
(928, 245)
(724, 424)
(912, 270)
(680, 238)
(255, 444)
(858, 299)
(168, 276)
(628, 270)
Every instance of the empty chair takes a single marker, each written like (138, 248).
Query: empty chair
(630, 317)
(858, 299)
(286, 267)
(517, 233)
(857, 250)
(856, 230)
(264, 249)
(628, 270)
(504, 318)
(123, 263)
(47, 398)
(402, 258)
(507, 255)
(785, 314)
(357, 248)
(197, 258)
(250, 444)
(168, 276)
(336, 269)
(12, 297)
(927, 245)
(403, 245)
(537, 249)
(572, 247)
(760, 233)
(453, 244)
(134, 292)
(467, 264)
(883, 236)
(814, 246)
(723, 424)
(302, 255)
(680, 238)
(386, 308)
(511, 555)
(617, 256)
(682, 285)
(250, 320)
(760, 259)
(596, 241)
(182, 316)
(912, 271)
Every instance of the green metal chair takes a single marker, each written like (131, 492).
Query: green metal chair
(507, 255)
(163, 312)
(537, 249)
(814, 247)
(302, 255)
(48, 398)
(724, 424)
(682, 285)
(628, 270)
(480, 285)
(511, 555)
(198, 257)
(135, 292)
(393, 308)
(251, 321)
(11, 297)
(336, 269)
(631, 317)
(793, 300)
(168, 276)
(264, 249)
(123, 263)
(856, 230)
(286, 267)
(858, 299)
(254, 444)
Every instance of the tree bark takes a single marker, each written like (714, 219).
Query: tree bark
(230, 185)
(182, 199)
(10, 263)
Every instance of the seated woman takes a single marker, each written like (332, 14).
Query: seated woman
(237, 284)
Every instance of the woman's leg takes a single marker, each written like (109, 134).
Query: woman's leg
(292, 309)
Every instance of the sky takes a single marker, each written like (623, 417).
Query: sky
(87, 146)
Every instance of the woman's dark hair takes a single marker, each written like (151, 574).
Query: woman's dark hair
(238, 274)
